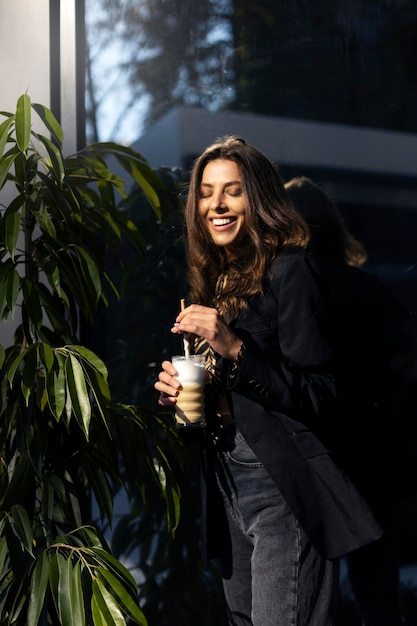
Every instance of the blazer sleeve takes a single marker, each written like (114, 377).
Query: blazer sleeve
(289, 368)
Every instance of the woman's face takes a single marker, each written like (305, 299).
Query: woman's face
(222, 206)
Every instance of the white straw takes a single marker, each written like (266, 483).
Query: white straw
(186, 340)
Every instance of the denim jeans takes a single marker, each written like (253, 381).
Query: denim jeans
(272, 575)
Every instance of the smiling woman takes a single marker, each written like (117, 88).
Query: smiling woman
(183, 72)
(243, 186)
(283, 510)
(222, 205)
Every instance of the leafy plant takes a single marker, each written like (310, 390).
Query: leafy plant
(136, 348)
(62, 441)
(174, 589)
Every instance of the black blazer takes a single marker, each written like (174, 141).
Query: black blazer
(282, 399)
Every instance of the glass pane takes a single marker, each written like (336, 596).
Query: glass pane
(327, 89)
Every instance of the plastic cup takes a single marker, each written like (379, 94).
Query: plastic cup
(189, 409)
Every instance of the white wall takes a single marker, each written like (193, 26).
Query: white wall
(24, 51)
(25, 68)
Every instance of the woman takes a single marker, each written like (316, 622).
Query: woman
(369, 436)
(289, 510)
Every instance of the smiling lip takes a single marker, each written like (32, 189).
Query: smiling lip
(218, 222)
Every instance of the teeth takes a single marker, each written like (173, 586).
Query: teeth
(222, 221)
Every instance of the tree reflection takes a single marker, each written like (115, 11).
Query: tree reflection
(345, 62)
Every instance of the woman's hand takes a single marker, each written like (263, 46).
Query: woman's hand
(167, 384)
(206, 322)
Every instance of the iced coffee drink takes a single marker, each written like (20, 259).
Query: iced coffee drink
(189, 410)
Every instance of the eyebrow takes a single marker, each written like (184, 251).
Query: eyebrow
(232, 182)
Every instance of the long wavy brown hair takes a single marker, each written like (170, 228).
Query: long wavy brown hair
(271, 225)
(330, 239)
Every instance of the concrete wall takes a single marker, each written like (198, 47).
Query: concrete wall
(40, 54)
(24, 51)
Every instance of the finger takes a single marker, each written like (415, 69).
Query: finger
(193, 329)
(168, 390)
(168, 367)
(197, 311)
(165, 400)
(198, 323)
(209, 332)
(167, 379)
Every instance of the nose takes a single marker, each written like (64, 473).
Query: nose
(217, 202)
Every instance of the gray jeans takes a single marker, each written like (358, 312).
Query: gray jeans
(272, 575)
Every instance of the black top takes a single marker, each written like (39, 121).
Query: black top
(282, 400)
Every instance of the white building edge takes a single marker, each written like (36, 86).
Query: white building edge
(370, 155)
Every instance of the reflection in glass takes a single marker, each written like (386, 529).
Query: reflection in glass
(320, 69)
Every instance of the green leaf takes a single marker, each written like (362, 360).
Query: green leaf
(100, 485)
(77, 597)
(20, 482)
(149, 191)
(57, 484)
(78, 392)
(105, 606)
(16, 552)
(2, 358)
(23, 122)
(99, 389)
(5, 165)
(53, 310)
(47, 357)
(4, 133)
(84, 280)
(17, 361)
(4, 550)
(4, 312)
(64, 590)
(12, 289)
(18, 606)
(13, 367)
(16, 204)
(12, 232)
(32, 302)
(68, 405)
(56, 387)
(44, 221)
(120, 223)
(99, 619)
(125, 599)
(90, 270)
(54, 577)
(48, 503)
(110, 147)
(38, 585)
(90, 537)
(173, 504)
(30, 371)
(5, 268)
(23, 526)
(52, 272)
(91, 358)
(55, 157)
(50, 122)
(116, 566)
